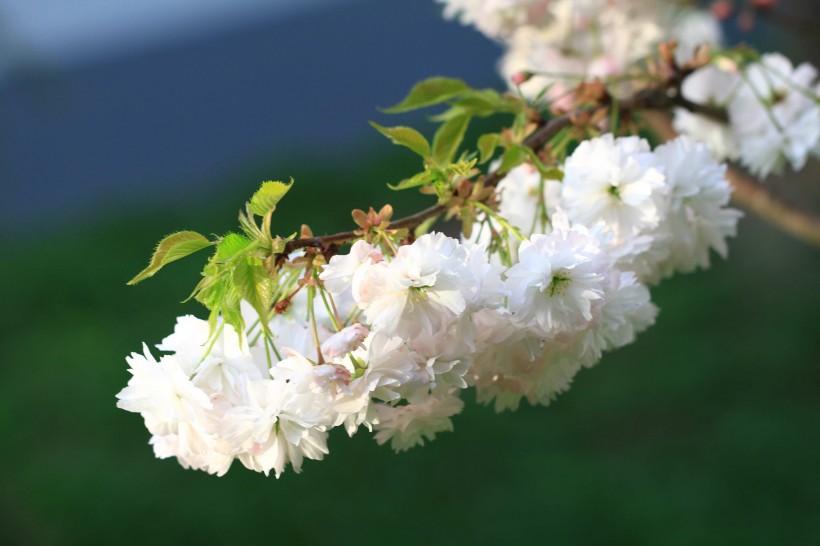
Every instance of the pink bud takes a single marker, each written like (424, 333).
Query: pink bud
(746, 21)
(344, 341)
(722, 9)
(520, 77)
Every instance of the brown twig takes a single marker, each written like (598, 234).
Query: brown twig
(658, 97)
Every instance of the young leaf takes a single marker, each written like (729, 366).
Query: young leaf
(268, 196)
(487, 145)
(428, 92)
(414, 181)
(448, 138)
(550, 173)
(405, 136)
(425, 226)
(254, 284)
(231, 245)
(513, 156)
(172, 248)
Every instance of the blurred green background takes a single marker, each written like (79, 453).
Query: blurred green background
(705, 431)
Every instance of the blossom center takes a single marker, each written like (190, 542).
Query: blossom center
(560, 281)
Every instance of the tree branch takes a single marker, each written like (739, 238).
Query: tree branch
(661, 98)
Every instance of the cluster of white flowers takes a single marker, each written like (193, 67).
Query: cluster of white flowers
(439, 315)
(559, 43)
(773, 112)
(551, 46)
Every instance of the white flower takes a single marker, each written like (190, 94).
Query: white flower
(617, 182)
(693, 28)
(275, 426)
(215, 365)
(558, 280)
(425, 287)
(162, 393)
(525, 367)
(772, 116)
(194, 448)
(344, 272)
(709, 86)
(409, 425)
(582, 41)
(496, 18)
(385, 364)
(698, 218)
(626, 312)
(519, 192)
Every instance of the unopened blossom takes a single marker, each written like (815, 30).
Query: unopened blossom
(775, 115)
(344, 341)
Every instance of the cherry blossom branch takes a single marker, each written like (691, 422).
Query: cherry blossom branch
(754, 196)
(656, 98)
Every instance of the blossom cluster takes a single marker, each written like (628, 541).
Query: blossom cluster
(559, 43)
(552, 277)
(551, 46)
(773, 112)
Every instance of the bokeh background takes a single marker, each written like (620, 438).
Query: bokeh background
(121, 122)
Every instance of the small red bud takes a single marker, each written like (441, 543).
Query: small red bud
(520, 77)
(764, 4)
(746, 21)
(722, 9)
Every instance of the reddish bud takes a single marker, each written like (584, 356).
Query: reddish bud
(722, 9)
(746, 21)
(520, 77)
(764, 4)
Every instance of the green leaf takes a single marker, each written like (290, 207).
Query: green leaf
(513, 156)
(266, 198)
(550, 173)
(405, 136)
(172, 248)
(420, 179)
(428, 92)
(254, 284)
(487, 145)
(425, 226)
(231, 245)
(448, 138)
